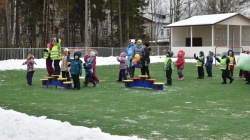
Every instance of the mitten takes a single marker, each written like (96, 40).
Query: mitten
(68, 65)
(80, 74)
(68, 52)
(164, 68)
(45, 50)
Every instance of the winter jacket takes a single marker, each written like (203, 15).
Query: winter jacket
(30, 64)
(123, 62)
(65, 63)
(129, 52)
(138, 49)
(200, 60)
(76, 65)
(88, 68)
(180, 62)
(145, 57)
(168, 63)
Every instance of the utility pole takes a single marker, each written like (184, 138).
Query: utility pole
(86, 25)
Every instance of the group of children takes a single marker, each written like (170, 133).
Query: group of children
(68, 67)
(227, 64)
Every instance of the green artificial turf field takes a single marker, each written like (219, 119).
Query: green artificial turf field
(189, 109)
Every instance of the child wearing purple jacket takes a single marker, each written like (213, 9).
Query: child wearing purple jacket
(30, 68)
(123, 66)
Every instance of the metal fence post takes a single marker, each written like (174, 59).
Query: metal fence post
(158, 50)
(23, 53)
(112, 51)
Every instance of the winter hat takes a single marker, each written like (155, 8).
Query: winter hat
(231, 52)
(211, 53)
(92, 53)
(146, 44)
(201, 53)
(79, 54)
(66, 49)
(170, 53)
(123, 54)
(139, 40)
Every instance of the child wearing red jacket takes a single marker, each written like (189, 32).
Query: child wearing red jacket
(180, 63)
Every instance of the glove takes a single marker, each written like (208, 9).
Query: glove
(164, 68)
(45, 50)
(68, 65)
(68, 52)
(80, 74)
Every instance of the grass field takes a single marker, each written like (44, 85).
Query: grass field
(189, 109)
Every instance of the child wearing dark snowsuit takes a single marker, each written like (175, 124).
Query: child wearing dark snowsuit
(88, 72)
(224, 66)
(209, 64)
(168, 66)
(122, 66)
(76, 68)
(146, 60)
(200, 63)
(30, 68)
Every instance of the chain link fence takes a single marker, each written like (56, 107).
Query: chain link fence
(21, 53)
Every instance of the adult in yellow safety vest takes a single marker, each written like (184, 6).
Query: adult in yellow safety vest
(56, 55)
(200, 63)
(224, 66)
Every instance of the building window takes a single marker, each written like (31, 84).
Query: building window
(145, 31)
(105, 31)
(168, 33)
(162, 32)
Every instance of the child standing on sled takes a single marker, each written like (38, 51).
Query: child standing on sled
(30, 68)
(122, 66)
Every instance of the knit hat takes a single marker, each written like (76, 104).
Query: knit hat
(201, 53)
(79, 54)
(170, 53)
(123, 54)
(146, 44)
(211, 53)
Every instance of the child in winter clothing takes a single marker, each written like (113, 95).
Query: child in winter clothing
(232, 61)
(123, 66)
(30, 68)
(88, 72)
(65, 64)
(146, 60)
(180, 63)
(168, 66)
(209, 64)
(76, 68)
(224, 66)
(200, 63)
(129, 52)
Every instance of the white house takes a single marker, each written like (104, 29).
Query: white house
(217, 33)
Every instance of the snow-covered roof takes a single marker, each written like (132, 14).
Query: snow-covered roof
(156, 19)
(203, 20)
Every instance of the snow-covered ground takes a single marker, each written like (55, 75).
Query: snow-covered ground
(20, 126)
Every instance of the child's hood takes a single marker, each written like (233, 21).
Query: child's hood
(181, 53)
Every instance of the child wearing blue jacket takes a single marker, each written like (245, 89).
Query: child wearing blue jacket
(76, 68)
(200, 63)
(88, 71)
(209, 64)
(129, 53)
